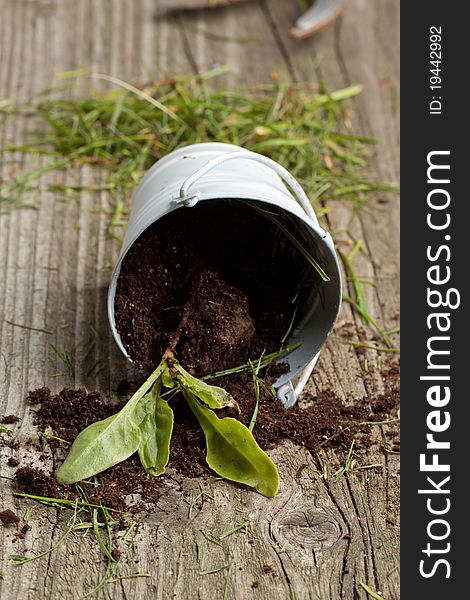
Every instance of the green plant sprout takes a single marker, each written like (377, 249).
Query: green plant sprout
(145, 424)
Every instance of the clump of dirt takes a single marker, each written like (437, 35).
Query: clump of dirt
(326, 421)
(115, 490)
(214, 306)
(21, 533)
(9, 419)
(126, 487)
(37, 482)
(217, 274)
(8, 517)
(68, 412)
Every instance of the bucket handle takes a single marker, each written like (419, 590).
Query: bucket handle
(288, 393)
(301, 196)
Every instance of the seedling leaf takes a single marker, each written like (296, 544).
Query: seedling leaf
(212, 395)
(145, 425)
(156, 427)
(232, 451)
(101, 445)
(167, 380)
(106, 443)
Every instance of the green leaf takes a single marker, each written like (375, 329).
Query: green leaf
(100, 446)
(232, 451)
(148, 448)
(156, 427)
(106, 443)
(164, 420)
(167, 379)
(212, 395)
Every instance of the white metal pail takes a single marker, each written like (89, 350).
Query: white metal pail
(213, 171)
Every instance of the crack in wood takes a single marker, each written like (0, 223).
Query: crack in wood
(279, 40)
(187, 47)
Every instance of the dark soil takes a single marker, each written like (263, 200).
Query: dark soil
(326, 421)
(9, 419)
(69, 412)
(66, 414)
(116, 485)
(37, 483)
(215, 275)
(8, 517)
(216, 286)
(21, 533)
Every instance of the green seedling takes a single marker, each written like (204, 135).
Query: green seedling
(156, 427)
(144, 425)
(106, 443)
(232, 451)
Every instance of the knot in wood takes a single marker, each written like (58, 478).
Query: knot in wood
(308, 528)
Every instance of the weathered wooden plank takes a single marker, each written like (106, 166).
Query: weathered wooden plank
(317, 539)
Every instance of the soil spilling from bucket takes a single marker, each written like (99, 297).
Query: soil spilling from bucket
(326, 423)
(217, 283)
(218, 277)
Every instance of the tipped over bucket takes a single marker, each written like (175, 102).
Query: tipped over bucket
(214, 171)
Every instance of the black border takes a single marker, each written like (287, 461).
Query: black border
(422, 132)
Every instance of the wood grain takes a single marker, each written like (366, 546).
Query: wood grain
(318, 538)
